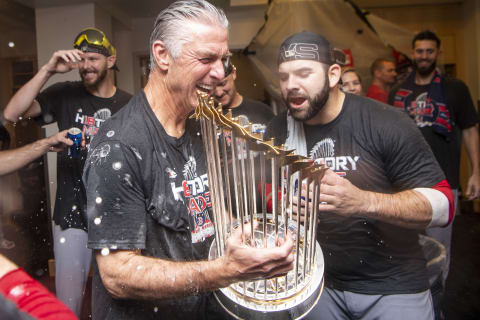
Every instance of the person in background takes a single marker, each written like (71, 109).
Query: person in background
(249, 111)
(84, 104)
(21, 297)
(351, 81)
(443, 110)
(383, 78)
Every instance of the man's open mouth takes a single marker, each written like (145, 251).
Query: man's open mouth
(205, 88)
(296, 102)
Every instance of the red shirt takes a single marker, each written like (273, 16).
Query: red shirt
(33, 298)
(377, 93)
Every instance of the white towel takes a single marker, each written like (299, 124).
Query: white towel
(296, 136)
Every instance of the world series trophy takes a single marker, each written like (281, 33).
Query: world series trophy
(237, 161)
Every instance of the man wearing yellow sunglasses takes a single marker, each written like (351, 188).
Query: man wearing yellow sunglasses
(84, 104)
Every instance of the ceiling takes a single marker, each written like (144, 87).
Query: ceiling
(149, 8)
(19, 16)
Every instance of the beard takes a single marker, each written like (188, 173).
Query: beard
(315, 104)
(100, 77)
(425, 71)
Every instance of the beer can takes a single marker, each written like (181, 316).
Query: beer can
(75, 135)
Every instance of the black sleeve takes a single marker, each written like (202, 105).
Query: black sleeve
(277, 128)
(409, 161)
(115, 199)
(50, 101)
(459, 97)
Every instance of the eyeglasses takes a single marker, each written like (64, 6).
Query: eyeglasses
(95, 38)
(227, 65)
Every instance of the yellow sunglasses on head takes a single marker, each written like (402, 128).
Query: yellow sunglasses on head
(95, 38)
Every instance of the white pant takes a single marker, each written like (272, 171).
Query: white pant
(72, 265)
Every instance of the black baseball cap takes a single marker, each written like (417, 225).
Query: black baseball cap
(307, 45)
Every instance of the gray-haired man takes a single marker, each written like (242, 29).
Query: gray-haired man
(147, 187)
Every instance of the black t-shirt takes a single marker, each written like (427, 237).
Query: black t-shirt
(147, 190)
(368, 145)
(447, 150)
(255, 112)
(71, 105)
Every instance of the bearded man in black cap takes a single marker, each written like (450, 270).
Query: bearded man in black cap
(382, 187)
(84, 104)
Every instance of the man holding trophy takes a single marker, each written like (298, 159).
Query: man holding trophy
(382, 187)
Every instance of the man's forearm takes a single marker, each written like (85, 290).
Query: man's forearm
(138, 277)
(11, 160)
(408, 209)
(24, 98)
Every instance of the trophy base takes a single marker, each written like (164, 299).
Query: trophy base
(278, 298)
(268, 312)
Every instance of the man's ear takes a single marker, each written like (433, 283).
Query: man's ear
(111, 61)
(160, 53)
(334, 74)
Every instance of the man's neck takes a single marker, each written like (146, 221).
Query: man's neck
(105, 89)
(380, 84)
(236, 101)
(166, 108)
(330, 110)
(423, 80)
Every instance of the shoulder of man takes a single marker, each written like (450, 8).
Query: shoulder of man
(277, 128)
(124, 95)
(455, 83)
(393, 92)
(126, 125)
(63, 87)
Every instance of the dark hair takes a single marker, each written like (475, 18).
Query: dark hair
(349, 69)
(426, 35)
(378, 65)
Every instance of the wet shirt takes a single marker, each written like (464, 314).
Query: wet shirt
(459, 103)
(71, 105)
(368, 145)
(147, 190)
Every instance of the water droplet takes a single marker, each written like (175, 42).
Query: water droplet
(155, 309)
(117, 165)
(98, 200)
(97, 220)
(105, 252)
(74, 207)
(62, 240)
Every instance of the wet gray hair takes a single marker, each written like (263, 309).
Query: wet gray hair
(169, 26)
